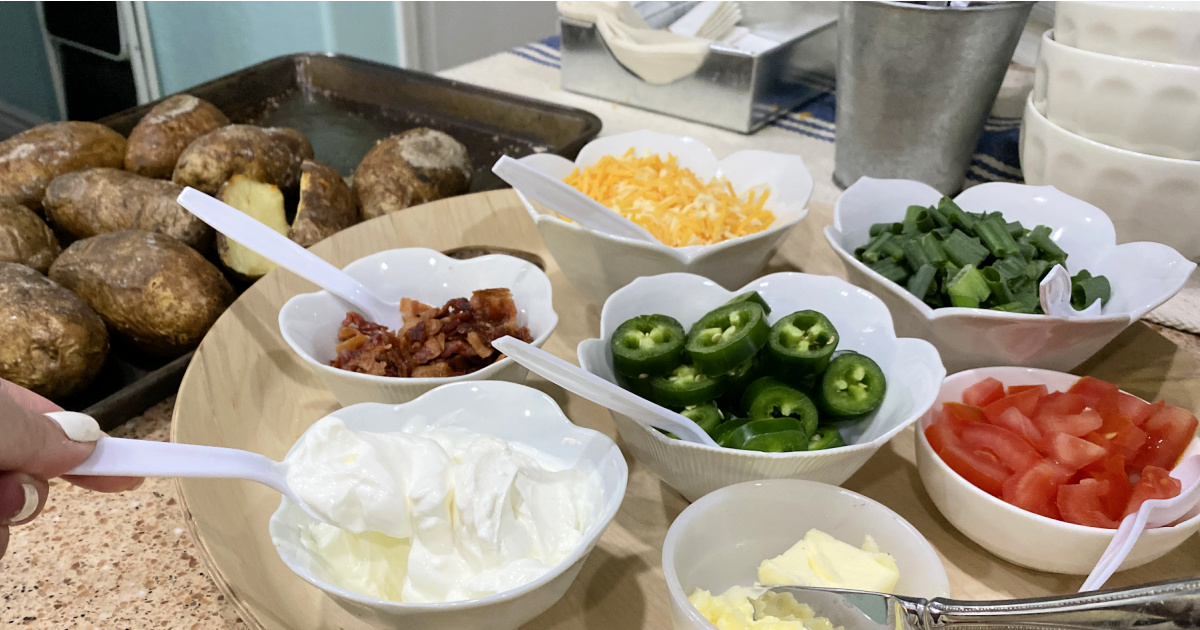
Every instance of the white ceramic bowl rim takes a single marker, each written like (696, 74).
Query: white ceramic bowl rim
(997, 196)
(923, 402)
(367, 261)
(982, 373)
(604, 516)
(693, 154)
(1032, 110)
(1049, 40)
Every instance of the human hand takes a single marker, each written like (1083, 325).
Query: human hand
(35, 449)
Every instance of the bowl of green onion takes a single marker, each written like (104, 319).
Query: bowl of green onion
(965, 273)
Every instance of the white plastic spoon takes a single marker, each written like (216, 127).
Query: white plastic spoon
(1055, 293)
(1154, 513)
(566, 200)
(600, 391)
(120, 457)
(282, 251)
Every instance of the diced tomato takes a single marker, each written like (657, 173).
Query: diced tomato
(983, 393)
(1015, 421)
(939, 434)
(1060, 402)
(1170, 431)
(1156, 483)
(1080, 503)
(1129, 441)
(1070, 451)
(1036, 489)
(1093, 390)
(1120, 409)
(1011, 449)
(1025, 401)
(1112, 470)
(1017, 389)
(981, 469)
(966, 413)
(1103, 442)
(1155, 408)
(1079, 424)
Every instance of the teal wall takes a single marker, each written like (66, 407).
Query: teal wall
(25, 80)
(197, 41)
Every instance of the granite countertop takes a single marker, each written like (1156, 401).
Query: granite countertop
(125, 561)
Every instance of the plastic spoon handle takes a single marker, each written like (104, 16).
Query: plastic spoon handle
(600, 391)
(119, 457)
(567, 201)
(280, 250)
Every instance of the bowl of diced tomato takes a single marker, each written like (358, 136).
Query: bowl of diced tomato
(1039, 467)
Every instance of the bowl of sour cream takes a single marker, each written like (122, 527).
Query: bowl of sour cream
(473, 506)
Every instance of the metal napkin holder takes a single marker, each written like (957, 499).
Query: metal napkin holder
(732, 89)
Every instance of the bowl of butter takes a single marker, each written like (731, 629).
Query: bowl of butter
(718, 558)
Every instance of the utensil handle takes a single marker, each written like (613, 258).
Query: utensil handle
(1162, 606)
(120, 457)
(282, 251)
(600, 391)
(1122, 543)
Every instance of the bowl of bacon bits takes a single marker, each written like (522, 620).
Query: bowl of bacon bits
(1040, 467)
(717, 218)
(450, 312)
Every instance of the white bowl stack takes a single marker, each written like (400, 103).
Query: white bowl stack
(1114, 117)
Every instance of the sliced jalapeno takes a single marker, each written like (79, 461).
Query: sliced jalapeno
(738, 437)
(648, 344)
(706, 415)
(779, 442)
(684, 386)
(737, 380)
(726, 337)
(751, 296)
(727, 427)
(781, 401)
(756, 387)
(800, 345)
(639, 385)
(852, 385)
(825, 437)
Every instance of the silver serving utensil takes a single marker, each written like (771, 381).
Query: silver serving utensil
(1162, 606)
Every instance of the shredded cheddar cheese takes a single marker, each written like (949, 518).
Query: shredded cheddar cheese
(670, 202)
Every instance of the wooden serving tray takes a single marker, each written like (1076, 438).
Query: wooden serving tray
(245, 389)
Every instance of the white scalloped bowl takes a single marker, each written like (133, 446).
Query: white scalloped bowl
(1155, 31)
(912, 368)
(1016, 535)
(1142, 106)
(309, 322)
(1143, 275)
(598, 264)
(505, 410)
(1150, 198)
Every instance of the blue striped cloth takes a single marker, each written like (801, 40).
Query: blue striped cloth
(995, 158)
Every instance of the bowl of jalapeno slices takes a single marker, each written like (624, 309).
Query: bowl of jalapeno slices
(794, 376)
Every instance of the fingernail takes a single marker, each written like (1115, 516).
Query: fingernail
(31, 503)
(78, 427)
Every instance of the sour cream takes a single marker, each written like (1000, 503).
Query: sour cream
(436, 514)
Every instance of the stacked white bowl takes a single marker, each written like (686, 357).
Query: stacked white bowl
(1114, 117)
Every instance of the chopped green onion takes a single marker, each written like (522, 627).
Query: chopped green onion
(1015, 229)
(939, 217)
(1015, 307)
(921, 283)
(914, 255)
(889, 269)
(964, 250)
(894, 250)
(1038, 269)
(968, 288)
(874, 249)
(996, 238)
(931, 243)
(1086, 289)
(1040, 238)
(1001, 292)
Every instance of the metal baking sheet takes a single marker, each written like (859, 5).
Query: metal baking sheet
(344, 105)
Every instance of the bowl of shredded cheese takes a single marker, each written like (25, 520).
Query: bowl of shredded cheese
(721, 219)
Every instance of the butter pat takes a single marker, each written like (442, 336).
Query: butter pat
(823, 561)
(753, 608)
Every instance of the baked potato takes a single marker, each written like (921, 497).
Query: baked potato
(101, 200)
(262, 202)
(166, 130)
(271, 155)
(50, 341)
(408, 169)
(326, 205)
(150, 289)
(30, 160)
(25, 238)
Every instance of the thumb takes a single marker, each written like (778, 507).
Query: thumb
(39, 446)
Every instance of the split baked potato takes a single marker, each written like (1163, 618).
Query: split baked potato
(271, 155)
(411, 168)
(326, 205)
(50, 341)
(165, 131)
(25, 238)
(262, 202)
(30, 160)
(150, 289)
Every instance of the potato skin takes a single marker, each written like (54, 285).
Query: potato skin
(101, 200)
(165, 131)
(30, 160)
(50, 341)
(411, 168)
(25, 238)
(271, 155)
(326, 205)
(151, 289)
